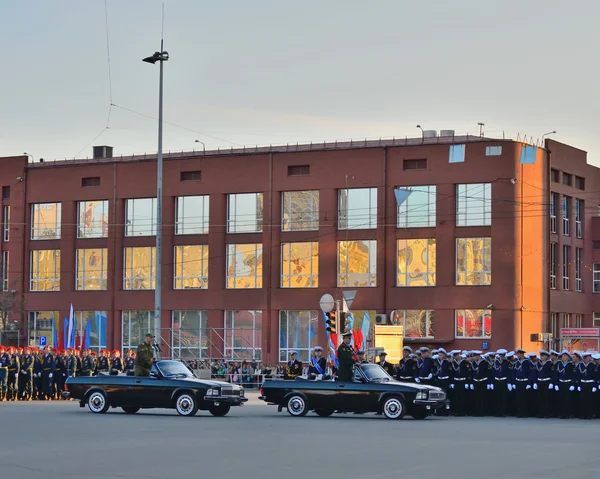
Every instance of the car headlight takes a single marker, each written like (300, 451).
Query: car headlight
(242, 392)
(212, 392)
(422, 396)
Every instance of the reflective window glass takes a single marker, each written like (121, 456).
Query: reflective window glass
(6, 223)
(300, 211)
(357, 263)
(243, 335)
(134, 327)
(45, 270)
(192, 215)
(139, 268)
(189, 338)
(45, 221)
(42, 328)
(474, 204)
(416, 262)
(300, 265)
(298, 331)
(357, 209)
(418, 323)
(473, 261)
(245, 213)
(90, 330)
(244, 266)
(418, 210)
(91, 269)
(141, 217)
(4, 271)
(191, 267)
(473, 323)
(92, 219)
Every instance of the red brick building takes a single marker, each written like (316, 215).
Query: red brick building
(474, 254)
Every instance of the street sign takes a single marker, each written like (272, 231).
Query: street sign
(592, 332)
(42, 340)
(327, 303)
(485, 346)
(349, 297)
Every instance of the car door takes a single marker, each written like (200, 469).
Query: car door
(353, 395)
(150, 392)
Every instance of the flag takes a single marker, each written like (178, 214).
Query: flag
(71, 331)
(85, 339)
(364, 328)
(65, 340)
(401, 195)
(54, 333)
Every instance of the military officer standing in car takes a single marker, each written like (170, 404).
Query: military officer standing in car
(293, 368)
(318, 364)
(345, 357)
(143, 359)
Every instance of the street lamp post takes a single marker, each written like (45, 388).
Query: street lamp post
(161, 57)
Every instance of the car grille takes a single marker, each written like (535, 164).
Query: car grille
(230, 392)
(437, 395)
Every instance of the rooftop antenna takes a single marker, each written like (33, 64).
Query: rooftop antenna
(481, 125)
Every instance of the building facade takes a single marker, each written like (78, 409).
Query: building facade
(473, 242)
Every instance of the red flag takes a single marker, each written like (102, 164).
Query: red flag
(82, 345)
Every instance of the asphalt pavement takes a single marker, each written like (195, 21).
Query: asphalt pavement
(61, 440)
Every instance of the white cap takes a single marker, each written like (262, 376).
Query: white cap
(464, 356)
(442, 350)
(531, 355)
(435, 356)
(596, 356)
(501, 351)
(510, 355)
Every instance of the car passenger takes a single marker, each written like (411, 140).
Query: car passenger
(143, 358)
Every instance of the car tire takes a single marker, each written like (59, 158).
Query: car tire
(324, 412)
(186, 405)
(393, 408)
(219, 411)
(296, 406)
(98, 402)
(130, 410)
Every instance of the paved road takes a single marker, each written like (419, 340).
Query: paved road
(60, 440)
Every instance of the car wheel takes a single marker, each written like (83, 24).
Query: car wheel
(296, 406)
(186, 405)
(219, 411)
(130, 410)
(393, 408)
(97, 402)
(324, 412)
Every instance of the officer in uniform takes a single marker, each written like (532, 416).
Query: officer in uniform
(293, 367)
(596, 358)
(71, 364)
(462, 377)
(27, 364)
(345, 358)
(129, 362)
(116, 364)
(587, 381)
(388, 367)
(401, 371)
(443, 368)
(13, 374)
(564, 371)
(522, 373)
(361, 357)
(37, 374)
(143, 359)
(104, 363)
(500, 382)
(545, 375)
(48, 367)
(424, 367)
(87, 364)
(4, 362)
(480, 382)
(318, 364)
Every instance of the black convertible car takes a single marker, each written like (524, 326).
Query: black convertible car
(170, 386)
(371, 390)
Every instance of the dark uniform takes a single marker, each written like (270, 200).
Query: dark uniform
(4, 362)
(60, 375)
(129, 364)
(116, 365)
(406, 368)
(345, 357)
(87, 365)
(545, 382)
(522, 371)
(318, 366)
(587, 383)
(47, 375)
(293, 368)
(71, 366)
(103, 365)
(564, 370)
(14, 367)
(462, 379)
(143, 359)
(388, 367)
(27, 365)
(481, 380)
(425, 368)
(501, 377)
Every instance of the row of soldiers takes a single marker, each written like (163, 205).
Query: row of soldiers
(501, 383)
(30, 373)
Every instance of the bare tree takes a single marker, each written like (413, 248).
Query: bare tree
(11, 304)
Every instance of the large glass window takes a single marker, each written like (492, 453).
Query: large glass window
(553, 207)
(552, 265)
(90, 327)
(474, 204)
(4, 271)
(42, 328)
(192, 215)
(300, 265)
(578, 266)
(298, 331)
(45, 270)
(141, 217)
(566, 215)
(473, 261)
(6, 223)
(191, 267)
(357, 264)
(135, 326)
(419, 208)
(300, 211)
(416, 262)
(566, 263)
(418, 323)
(91, 269)
(579, 214)
(245, 213)
(139, 268)
(357, 209)
(92, 219)
(473, 323)
(45, 221)
(244, 266)
(190, 334)
(596, 278)
(243, 335)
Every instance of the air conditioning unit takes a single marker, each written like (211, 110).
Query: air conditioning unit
(381, 319)
(536, 338)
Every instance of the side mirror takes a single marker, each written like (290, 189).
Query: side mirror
(153, 374)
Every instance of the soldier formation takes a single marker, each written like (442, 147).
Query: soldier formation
(28, 374)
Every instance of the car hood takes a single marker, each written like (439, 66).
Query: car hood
(210, 383)
(419, 387)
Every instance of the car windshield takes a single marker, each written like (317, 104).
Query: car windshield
(173, 368)
(374, 372)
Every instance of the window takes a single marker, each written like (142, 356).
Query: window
(566, 208)
(418, 323)
(243, 335)
(300, 265)
(566, 320)
(141, 217)
(473, 323)
(92, 217)
(90, 329)
(555, 175)
(554, 325)
(45, 270)
(596, 244)
(578, 266)
(553, 205)
(245, 213)
(6, 223)
(42, 324)
(92, 269)
(493, 150)
(189, 338)
(4, 271)
(6, 192)
(474, 261)
(580, 183)
(45, 221)
(418, 210)
(596, 278)
(190, 175)
(90, 182)
(566, 261)
(578, 320)
(300, 211)
(567, 179)
(191, 267)
(139, 268)
(298, 170)
(596, 320)
(416, 262)
(553, 265)
(192, 215)
(456, 154)
(414, 164)
(244, 266)
(298, 332)
(357, 264)
(474, 204)
(135, 326)
(357, 209)
(579, 213)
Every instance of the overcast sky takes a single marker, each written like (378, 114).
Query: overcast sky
(259, 72)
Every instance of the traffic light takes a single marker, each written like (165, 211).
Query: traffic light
(331, 323)
(347, 321)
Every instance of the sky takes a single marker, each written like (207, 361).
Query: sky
(266, 72)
